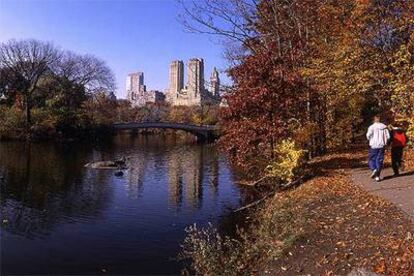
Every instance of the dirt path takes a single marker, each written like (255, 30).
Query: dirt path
(398, 190)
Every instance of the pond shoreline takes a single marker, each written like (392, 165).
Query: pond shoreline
(97, 135)
(327, 225)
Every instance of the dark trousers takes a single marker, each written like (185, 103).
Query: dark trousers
(396, 158)
(376, 159)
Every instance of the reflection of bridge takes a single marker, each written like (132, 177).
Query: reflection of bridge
(202, 132)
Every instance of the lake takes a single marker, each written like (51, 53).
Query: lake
(58, 217)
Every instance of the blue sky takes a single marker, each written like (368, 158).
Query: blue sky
(130, 35)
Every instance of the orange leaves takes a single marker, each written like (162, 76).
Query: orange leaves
(266, 96)
(346, 228)
(380, 267)
(328, 64)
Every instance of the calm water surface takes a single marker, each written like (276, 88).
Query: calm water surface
(59, 217)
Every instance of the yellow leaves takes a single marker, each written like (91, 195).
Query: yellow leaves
(197, 119)
(288, 160)
(401, 80)
(410, 129)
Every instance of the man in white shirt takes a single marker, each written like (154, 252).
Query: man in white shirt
(378, 137)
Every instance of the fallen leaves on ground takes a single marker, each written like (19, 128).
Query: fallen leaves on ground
(345, 226)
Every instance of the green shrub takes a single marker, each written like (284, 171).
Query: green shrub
(12, 122)
(43, 117)
(212, 254)
(275, 228)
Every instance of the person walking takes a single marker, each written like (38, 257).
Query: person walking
(398, 143)
(378, 137)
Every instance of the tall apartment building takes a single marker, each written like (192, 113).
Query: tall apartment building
(137, 92)
(134, 85)
(194, 93)
(195, 84)
(176, 76)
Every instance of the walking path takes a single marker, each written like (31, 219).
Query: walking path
(399, 190)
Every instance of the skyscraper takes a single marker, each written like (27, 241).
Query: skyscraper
(195, 84)
(134, 85)
(194, 93)
(137, 92)
(176, 76)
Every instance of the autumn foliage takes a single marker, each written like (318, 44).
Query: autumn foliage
(316, 72)
(327, 226)
(263, 106)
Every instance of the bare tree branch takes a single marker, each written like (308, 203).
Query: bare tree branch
(232, 19)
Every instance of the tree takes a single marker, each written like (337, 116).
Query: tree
(100, 108)
(265, 103)
(402, 85)
(232, 20)
(271, 97)
(8, 85)
(52, 82)
(80, 79)
(364, 67)
(28, 61)
(87, 71)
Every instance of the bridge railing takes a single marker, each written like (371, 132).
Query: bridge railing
(164, 125)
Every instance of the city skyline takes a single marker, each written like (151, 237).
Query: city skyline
(196, 91)
(192, 90)
(127, 41)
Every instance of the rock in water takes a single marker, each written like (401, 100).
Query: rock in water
(119, 173)
(112, 165)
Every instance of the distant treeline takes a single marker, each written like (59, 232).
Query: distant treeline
(50, 93)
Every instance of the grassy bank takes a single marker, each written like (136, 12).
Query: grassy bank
(327, 226)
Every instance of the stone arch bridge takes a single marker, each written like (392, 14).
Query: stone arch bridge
(204, 133)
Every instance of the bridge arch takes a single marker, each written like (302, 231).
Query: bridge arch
(204, 133)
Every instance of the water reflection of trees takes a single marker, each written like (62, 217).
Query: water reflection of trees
(188, 169)
(44, 185)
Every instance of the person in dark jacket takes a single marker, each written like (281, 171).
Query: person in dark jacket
(398, 143)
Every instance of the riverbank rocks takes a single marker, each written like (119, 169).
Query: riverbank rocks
(111, 165)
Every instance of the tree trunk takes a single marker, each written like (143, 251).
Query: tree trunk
(28, 117)
(272, 148)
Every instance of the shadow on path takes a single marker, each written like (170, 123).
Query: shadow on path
(396, 189)
(399, 176)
